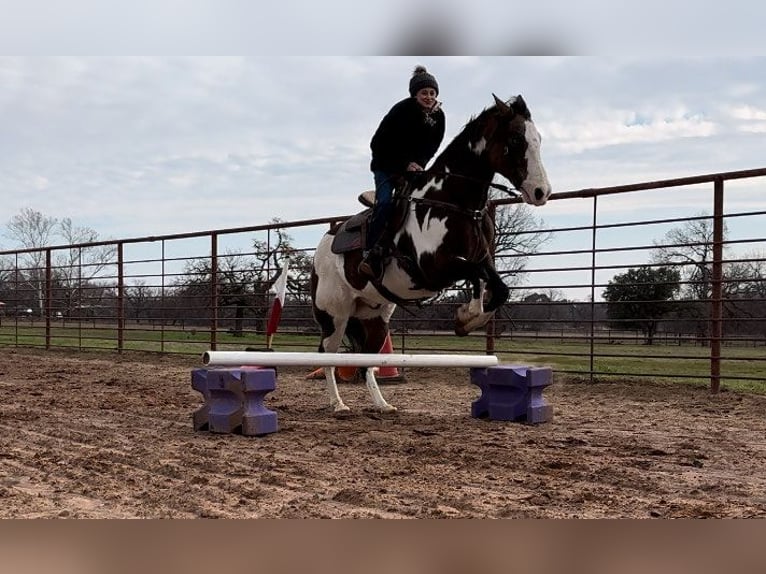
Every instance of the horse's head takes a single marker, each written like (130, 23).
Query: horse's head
(512, 144)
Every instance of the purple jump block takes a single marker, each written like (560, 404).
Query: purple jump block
(257, 419)
(234, 400)
(199, 383)
(512, 393)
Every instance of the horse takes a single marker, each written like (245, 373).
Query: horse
(444, 235)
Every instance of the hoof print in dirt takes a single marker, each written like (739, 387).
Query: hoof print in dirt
(380, 415)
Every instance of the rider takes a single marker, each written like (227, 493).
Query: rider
(406, 140)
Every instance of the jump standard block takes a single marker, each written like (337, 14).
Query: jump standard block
(512, 393)
(234, 400)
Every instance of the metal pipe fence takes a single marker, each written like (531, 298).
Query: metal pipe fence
(703, 321)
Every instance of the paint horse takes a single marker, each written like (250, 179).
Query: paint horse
(444, 235)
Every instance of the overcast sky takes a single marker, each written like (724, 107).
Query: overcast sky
(146, 145)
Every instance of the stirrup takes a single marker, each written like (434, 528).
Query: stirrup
(371, 265)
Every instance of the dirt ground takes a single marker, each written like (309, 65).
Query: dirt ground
(107, 436)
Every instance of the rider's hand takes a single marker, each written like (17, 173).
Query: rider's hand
(414, 167)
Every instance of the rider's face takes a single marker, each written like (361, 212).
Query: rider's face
(426, 97)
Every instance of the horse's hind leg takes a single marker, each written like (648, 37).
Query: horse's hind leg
(368, 336)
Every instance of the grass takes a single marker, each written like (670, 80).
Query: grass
(687, 364)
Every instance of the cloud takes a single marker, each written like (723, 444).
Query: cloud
(202, 143)
(621, 127)
(746, 112)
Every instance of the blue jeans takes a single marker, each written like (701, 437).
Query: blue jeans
(383, 209)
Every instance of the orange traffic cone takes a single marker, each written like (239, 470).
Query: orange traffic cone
(346, 373)
(388, 374)
(343, 373)
(350, 374)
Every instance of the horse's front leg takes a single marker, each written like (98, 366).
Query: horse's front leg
(475, 314)
(497, 289)
(378, 401)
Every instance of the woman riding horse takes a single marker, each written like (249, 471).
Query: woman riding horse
(445, 236)
(405, 141)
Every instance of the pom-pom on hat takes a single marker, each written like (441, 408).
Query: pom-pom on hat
(422, 79)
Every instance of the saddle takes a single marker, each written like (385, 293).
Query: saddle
(352, 233)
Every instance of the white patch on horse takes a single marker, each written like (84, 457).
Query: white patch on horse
(430, 235)
(431, 184)
(476, 306)
(537, 178)
(399, 281)
(426, 237)
(478, 147)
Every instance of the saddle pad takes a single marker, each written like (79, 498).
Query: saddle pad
(349, 234)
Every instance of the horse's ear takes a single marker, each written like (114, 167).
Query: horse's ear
(501, 105)
(520, 105)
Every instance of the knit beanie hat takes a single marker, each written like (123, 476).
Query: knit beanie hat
(422, 79)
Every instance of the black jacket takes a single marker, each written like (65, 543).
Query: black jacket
(406, 134)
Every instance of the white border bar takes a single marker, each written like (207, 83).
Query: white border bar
(280, 359)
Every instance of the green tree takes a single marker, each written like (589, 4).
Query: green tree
(640, 298)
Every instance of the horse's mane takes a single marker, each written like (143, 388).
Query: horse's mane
(475, 126)
(466, 134)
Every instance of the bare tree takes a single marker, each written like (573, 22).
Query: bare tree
(73, 269)
(519, 233)
(746, 278)
(32, 230)
(690, 246)
(142, 300)
(244, 280)
(76, 267)
(745, 289)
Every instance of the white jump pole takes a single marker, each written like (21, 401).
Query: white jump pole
(282, 359)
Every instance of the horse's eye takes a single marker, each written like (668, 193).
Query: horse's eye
(515, 143)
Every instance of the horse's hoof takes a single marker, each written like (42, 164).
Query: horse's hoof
(461, 331)
(387, 409)
(340, 410)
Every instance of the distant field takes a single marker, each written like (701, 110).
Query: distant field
(566, 355)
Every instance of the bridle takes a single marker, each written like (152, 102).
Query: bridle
(476, 214)
(512, 191)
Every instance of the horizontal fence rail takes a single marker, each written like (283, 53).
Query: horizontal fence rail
(661, 280)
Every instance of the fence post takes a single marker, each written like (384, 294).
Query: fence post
(593, 288)
(213, 290)
(48, 295)
(120, 299)
(716, 310)
(492, 325)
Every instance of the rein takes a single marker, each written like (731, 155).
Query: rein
(512, 191)
(476, 214)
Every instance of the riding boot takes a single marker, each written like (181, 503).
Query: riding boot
(373, 260)
(372, 263)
